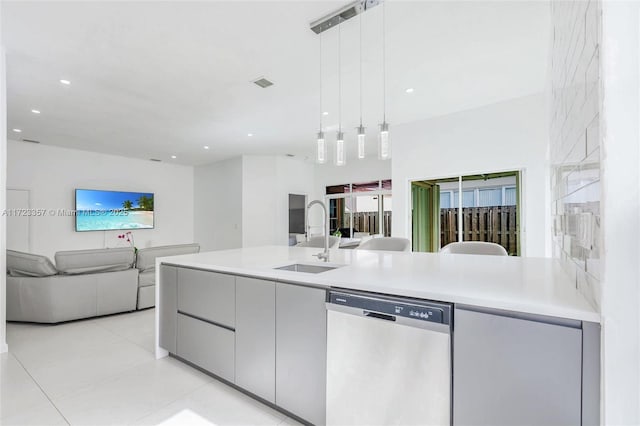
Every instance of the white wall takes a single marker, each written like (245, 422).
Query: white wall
(51, 174)
(266, 185)
(259, 201)
(620, 280)
(218, 205)
(3, 202)
(244, 201)
(505, 136)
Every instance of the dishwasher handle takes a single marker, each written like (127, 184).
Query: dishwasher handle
(378, 315)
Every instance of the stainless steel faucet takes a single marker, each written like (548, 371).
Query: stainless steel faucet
(325, 254)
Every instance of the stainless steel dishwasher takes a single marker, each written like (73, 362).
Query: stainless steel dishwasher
(388, 360)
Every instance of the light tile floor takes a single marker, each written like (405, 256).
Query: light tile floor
(102, 371)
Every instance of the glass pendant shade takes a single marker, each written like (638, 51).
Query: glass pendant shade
(384, 143)
(321, 152)
(361, 141)
(341, 156)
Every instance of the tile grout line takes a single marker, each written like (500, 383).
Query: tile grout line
(136, 421)
(183, 395)
(124, 338)
(105, 380)
(96, 322)
(97, 382)
(41, 389)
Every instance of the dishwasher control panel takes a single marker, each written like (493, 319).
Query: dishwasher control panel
(424, 311)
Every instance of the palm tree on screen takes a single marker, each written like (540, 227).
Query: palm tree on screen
(145, 203)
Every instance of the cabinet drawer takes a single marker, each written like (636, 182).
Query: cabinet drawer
(207, 295)
(207, 346)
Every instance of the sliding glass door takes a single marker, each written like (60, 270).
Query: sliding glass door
(482, 207)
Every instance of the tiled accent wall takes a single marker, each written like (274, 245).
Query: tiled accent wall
(575, 141)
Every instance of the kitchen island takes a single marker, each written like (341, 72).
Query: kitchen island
(263, 329)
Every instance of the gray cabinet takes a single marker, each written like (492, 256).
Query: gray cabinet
(301, 351)
(207, 295)
(207, 346)
(268, 338)
(511, 370)
(256, 336)
(168, 307)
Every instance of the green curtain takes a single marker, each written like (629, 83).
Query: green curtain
(435, 219)
(420, 217)
(425, 198)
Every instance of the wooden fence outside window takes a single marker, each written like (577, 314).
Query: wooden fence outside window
(493, 224)
(369, 222)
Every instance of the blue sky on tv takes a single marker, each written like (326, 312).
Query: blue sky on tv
(88, 199)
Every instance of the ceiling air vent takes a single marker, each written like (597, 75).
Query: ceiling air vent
(30, 141)
(156, 160)
(263, 82)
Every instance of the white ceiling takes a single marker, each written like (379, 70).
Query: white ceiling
(155, 79)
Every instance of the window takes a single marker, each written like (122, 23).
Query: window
(489, 197)
(489, 211)
(510, 196)
(360, 208)
(468, 199)
(445, 200)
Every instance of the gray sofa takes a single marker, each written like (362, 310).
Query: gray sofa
(146, 265)
(82, 284)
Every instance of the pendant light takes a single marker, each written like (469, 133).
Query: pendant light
(341, 155)
(361, 133)
(321, 149)
(384, 143)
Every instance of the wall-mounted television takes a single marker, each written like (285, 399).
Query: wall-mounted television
(98, 210)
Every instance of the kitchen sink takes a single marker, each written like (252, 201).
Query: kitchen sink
(309, 269)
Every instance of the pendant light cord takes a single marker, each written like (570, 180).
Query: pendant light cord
(320, 73)
(384, 63)
(360, 21)
(339, 79)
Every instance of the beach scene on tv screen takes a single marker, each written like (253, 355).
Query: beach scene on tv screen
(112, 210)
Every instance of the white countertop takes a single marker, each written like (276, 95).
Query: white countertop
(531, 285)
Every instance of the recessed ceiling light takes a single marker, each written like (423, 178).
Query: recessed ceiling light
(17, 130)
(325, 113)
(206, 147)
(174, 157)
(249, 134)
(66, 82)
(409, 90)
(35, 111)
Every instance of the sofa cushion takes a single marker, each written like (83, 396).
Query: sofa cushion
(21, 264)
(146, 259)
(147, 278)
(92, 261)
